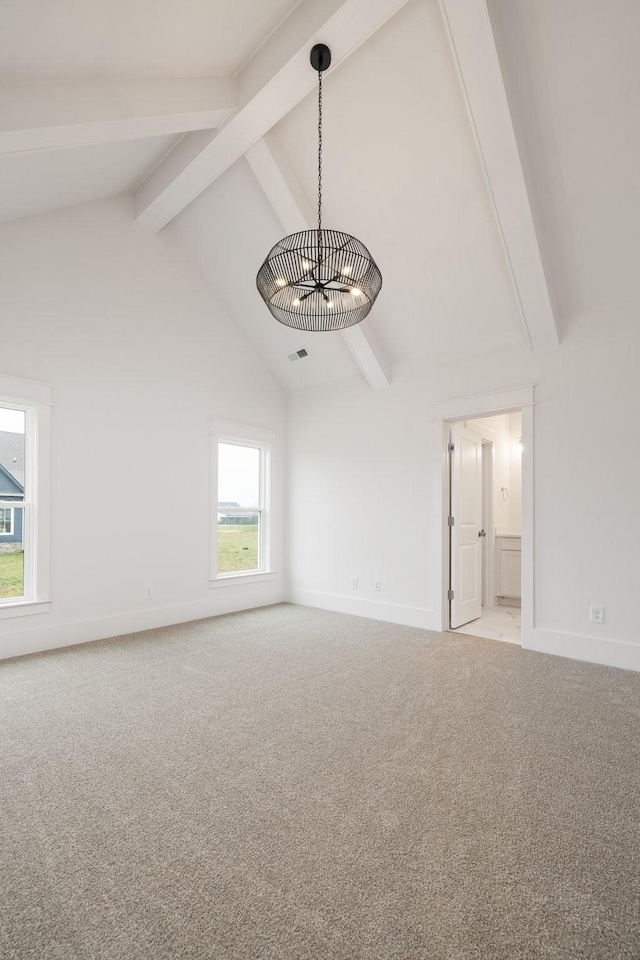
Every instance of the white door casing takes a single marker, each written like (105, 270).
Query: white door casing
(466, 510)
(442, 414)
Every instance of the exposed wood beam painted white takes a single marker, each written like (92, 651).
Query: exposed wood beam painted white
(368, 355)
(274, 86)
(278, 179)
(294, 210)
(472, 43)
(306, 20)
(39, 115)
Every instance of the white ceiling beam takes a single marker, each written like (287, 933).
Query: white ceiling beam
(280, 183)
(306, 20)
(368, 354)
(474, 51)
(295, 211)
(44, 115)
(271, 85)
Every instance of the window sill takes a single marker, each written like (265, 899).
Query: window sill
(240, 578)
(24, 608)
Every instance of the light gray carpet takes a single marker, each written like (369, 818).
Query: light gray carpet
(292, 783)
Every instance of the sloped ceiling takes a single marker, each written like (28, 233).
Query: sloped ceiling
(572, 77)
(41, 181)
(402, 168)
(402, 173)
(132, 38)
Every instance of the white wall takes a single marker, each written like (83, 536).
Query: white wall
(361, 472)
(140, 357)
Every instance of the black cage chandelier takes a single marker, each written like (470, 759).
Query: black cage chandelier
(319, 280)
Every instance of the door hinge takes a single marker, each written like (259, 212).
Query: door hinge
(452, 447)
(451, 521)
(450, 595)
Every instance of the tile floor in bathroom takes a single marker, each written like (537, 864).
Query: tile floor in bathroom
(496, 623)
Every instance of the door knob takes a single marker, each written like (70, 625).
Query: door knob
(482, 533)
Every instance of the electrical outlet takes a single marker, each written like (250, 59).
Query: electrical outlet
(354, 583)
(377, 585)
(148, 593)
(597, 614)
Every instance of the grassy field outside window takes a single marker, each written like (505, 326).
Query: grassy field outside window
(237, 547)
(11, 575)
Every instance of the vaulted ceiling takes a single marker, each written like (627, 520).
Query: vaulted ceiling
(488, 240)
(133, 39)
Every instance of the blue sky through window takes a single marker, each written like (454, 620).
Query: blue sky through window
(238, 474)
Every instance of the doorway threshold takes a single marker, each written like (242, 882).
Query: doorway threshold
(496, 623)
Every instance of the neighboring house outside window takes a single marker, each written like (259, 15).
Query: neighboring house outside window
(24, 497)
(12, 448)
(241, 515)
(12, 458)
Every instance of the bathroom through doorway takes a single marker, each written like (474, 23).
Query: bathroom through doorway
(485, 526)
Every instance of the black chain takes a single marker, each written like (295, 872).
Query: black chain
(320, 166)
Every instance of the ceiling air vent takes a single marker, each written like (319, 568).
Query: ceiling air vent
(298, 354)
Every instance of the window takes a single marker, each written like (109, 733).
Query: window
(24, 494)
(239, 508)
(241, 480)
(6, 520)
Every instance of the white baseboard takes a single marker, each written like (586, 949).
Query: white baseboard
(613, 653)
(508, 602)
(53, 636)
(373, 609)
(610, 653)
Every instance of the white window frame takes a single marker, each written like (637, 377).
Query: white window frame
(224, 431)
(34, 399)
(8, 533)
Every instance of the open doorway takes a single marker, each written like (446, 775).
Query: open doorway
(485, 526)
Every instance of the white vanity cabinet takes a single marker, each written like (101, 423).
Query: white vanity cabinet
(508, 556)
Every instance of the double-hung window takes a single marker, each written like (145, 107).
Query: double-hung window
(24, 497)
(7, 524)
(241, 503)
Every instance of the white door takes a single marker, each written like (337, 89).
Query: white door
(466, 529)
